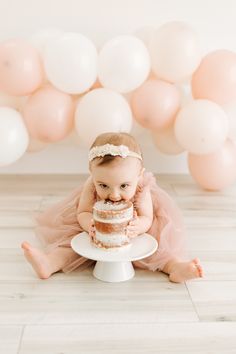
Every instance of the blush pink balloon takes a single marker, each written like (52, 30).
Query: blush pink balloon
(155, 104)
(21, 70)
(217, 170)
(49, 114)
(215, 78)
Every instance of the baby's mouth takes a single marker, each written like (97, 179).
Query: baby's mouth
(114, 201)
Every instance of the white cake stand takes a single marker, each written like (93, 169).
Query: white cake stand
(114, 266)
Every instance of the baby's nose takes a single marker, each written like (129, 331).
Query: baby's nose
(114, 196)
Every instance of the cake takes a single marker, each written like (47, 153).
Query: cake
(110, 221)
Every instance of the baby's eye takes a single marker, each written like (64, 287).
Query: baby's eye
(103, 186)
(124, 186)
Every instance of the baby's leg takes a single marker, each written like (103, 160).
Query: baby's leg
(180, 271)
(47, 264)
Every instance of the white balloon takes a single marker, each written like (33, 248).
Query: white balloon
(230, 110)
(71, 63)
(175, 51)
(201, 127)
(123, 64)
(14, 137)
(101, 111)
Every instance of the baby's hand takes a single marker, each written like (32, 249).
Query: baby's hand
(132, 229)
(92, 230)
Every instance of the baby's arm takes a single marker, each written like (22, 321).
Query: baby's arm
(143, 220)
(85, 208)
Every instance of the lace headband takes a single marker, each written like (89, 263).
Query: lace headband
(114, 150)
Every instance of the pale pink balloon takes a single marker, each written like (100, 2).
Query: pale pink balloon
(214, 171)
(215, 78)
(155, 104)
(49, 114)
(21, 70)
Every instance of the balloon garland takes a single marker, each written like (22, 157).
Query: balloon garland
(57, 82)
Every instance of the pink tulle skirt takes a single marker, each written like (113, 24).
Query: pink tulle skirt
(57, 225)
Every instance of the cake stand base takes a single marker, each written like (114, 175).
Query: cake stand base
(113, 271)
(116, 265)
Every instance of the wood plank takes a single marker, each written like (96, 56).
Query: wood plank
(10, 339)
(214, 300)
(129, 338)
(49, 302)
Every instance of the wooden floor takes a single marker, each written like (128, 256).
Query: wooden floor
(76, 313)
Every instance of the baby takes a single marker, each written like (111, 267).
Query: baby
(116, 174)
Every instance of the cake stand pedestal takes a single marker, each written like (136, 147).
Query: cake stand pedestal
(114, 265)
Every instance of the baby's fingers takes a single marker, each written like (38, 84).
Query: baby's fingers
(131, 227)
(133, 223)
(131, 232)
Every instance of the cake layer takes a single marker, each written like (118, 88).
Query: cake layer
(110, 211)
(112, 220)
(110, 228)
(111, 240)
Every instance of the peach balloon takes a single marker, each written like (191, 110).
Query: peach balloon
(21, 71)
(217, 170)
(215, 78)
(155, 104)
(48, 114)
(166, 142)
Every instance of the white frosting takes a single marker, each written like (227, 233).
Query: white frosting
(112, 221)
(112, 239)
(112, 218)
(102, 205)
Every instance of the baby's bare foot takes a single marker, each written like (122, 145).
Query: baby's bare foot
(38, 260)
(183, 271)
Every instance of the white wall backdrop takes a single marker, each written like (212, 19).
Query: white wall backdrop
(100, 20)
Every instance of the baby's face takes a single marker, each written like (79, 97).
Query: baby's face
(117, 180)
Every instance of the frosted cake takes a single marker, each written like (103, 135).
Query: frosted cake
(110, 220)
